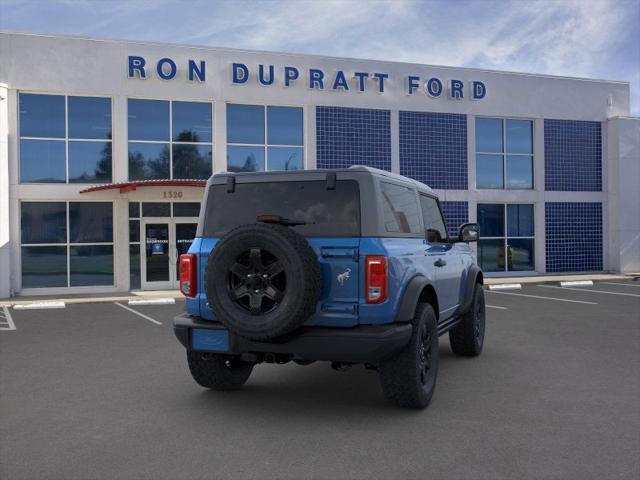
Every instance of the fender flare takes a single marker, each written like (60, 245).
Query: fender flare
(472, 279)
(410, 298)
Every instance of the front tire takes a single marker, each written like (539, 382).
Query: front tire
(218, 372)
(467, 338)
(409, 378)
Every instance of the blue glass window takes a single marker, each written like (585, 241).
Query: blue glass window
(42, 115)
(89, 117)
(91, 265)
(43, 222)
(245, 124)
(134, 210)
(177, 149)
(285, 158)
(42, 161)
(148, 120)
(514, 251)
(491, 220)
(519, 172)
(44, 267)
(46, 223)
(519, 134)
(191, 122)
(134, 266)
(520, 220)
(504, 153)
(48, 161)
(192, 161)
(245, 159)
(284, 126)
(148, 161)
(489, 135)
(186, 209)
(89, 162)
(156, 209)
(90, 222)
(489, 172)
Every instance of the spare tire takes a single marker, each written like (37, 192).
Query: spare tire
(263, 281)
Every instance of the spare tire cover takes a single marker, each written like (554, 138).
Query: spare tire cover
(263, 281)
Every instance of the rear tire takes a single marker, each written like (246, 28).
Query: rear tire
(467, 338)
(409, 378)
(218, 372)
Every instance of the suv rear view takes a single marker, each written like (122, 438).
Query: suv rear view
(346, 266)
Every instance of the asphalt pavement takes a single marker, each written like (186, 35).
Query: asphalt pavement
(97, 391)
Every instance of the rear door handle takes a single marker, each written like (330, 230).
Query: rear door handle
(440, 263)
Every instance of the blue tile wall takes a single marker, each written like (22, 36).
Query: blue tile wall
(573, 236)
(433, 148)
(572, 155)
(455, 214)
(353, 136)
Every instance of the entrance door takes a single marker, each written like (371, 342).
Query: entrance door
(157, 258)
(164, 240)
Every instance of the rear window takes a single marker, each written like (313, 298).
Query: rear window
(328, 213)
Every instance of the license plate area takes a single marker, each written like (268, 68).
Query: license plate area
(210, 340)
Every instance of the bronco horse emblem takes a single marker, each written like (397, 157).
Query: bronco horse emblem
(344, 276)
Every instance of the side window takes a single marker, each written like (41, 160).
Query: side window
(434, 225)
(401, 214)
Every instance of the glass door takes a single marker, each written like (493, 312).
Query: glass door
(158, 267)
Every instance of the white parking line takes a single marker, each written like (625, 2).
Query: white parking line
(138, 313)
(153, 301)
(623, 284)
(39, 305)
(495, 306)
(7, 324)
(591, 290)
(544, 298)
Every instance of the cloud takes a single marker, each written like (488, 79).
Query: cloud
(589, 38)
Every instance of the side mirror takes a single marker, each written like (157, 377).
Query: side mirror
(469, 232)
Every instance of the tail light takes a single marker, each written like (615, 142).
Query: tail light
(188, 274)
(376, 274)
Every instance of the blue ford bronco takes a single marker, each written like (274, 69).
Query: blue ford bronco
(349, 266)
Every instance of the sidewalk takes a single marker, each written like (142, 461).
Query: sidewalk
(92, 297)
(155, 294)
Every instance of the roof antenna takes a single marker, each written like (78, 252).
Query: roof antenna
(231, 184)
(331, 181)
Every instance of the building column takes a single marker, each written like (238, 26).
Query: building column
(539, 226)
(395, 141)
(5, 244)
(623, 201)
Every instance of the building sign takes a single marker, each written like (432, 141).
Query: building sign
(313, 78)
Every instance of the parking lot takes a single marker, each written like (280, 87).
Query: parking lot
(102, 391)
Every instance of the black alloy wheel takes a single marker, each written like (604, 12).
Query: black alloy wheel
(256, 281)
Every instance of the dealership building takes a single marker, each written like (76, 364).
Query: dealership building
(105, 147)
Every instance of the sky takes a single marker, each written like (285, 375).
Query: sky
(579, 38)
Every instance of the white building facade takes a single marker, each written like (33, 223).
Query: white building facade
(105, 146)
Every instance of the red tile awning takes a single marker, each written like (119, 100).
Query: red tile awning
(125, 187)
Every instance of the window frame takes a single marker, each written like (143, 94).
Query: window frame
(265, 146)
(447, 238)
(67, 244)
(66, 139)
(382, 223)
(170, 142)
(504, 154)
(506, 236)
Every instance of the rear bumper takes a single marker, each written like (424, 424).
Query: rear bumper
(362, 344)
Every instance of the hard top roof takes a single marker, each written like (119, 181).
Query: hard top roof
(281, 175)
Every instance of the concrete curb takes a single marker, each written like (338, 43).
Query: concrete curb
(79, 300)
